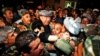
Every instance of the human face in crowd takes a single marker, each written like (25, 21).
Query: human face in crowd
(26, 19)
(60, 13)
(31, 11)
(74, 14)
(65, 11)
(57, 29)
(98, 22)
(11, 38)
(36, 47)
(9, 14)
(45, 20)
(37, 14)
(88, 12)
(85, 21)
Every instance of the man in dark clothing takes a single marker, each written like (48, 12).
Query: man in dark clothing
(8, 15)
(60, 18)
(42, 26)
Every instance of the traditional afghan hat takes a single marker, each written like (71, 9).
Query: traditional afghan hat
(45, 13)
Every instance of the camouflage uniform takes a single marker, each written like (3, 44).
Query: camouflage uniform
(28, 27)
(93, 39)
(12, 51)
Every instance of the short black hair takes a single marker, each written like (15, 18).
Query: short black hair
(77, 11)
(36, 24)
(23, 40)
(6, 9)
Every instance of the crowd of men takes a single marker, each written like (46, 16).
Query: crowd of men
(46, 32)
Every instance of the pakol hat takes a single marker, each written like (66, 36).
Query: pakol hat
(45, 13)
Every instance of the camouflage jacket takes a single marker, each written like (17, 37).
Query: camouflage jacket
(11, 51)
(92, 29)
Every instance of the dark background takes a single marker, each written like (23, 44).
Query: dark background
(88, 4)
(81, 3)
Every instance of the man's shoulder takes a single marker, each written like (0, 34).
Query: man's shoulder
(18, 21)
(11, 51)
(36, 24)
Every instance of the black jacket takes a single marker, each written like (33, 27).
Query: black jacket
(47, 31)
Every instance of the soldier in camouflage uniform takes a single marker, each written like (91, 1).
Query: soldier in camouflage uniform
(92, 42)
(12, 51)
(24, 23)
(7, 38)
